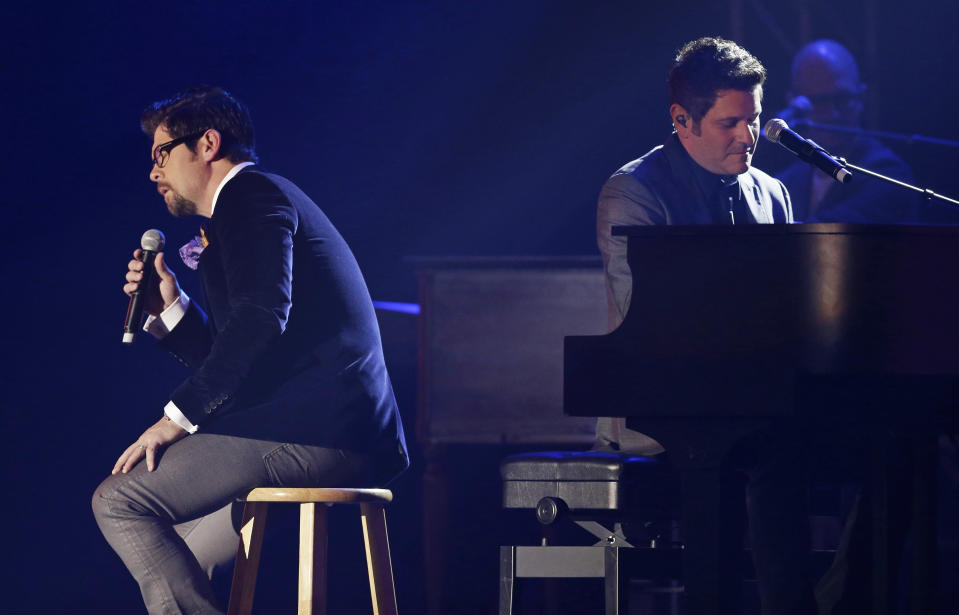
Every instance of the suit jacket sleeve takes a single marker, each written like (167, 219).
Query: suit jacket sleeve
(252, 229)
(623, 201)
(190, 340)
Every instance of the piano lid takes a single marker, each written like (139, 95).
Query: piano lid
(741, 310)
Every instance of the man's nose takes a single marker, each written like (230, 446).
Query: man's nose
(748, 133)
(155, 173)
(824, 113)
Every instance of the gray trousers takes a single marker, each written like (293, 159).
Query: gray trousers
(173, 527)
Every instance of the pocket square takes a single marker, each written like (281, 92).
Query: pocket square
(190, 251)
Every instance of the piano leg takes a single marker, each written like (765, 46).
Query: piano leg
(904, 489)
(712, 530)
(778, 521)
(925, 568)
(865, 575)
(882, 582)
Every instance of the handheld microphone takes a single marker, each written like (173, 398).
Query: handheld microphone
(151, 243)
(778, 131)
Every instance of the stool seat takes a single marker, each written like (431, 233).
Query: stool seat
(318, 495)
(313, 543)
(590, 481)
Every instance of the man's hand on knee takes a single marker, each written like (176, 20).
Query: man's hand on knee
(160, 434)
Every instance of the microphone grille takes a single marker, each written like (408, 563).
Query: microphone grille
(152, 240)
(773, 128)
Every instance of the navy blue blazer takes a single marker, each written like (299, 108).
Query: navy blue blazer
(290, 350)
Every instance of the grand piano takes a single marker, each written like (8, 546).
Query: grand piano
(731, 329)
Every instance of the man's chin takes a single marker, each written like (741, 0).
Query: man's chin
(179, 206)
(743, 165)
(737, 169)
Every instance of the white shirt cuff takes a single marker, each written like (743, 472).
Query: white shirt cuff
(160, 326)
(174, 414)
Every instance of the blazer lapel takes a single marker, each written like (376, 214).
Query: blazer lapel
(762, 211)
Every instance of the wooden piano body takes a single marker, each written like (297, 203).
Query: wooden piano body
(730, 328)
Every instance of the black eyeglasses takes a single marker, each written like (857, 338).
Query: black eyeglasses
(836, 100)
(162, 153)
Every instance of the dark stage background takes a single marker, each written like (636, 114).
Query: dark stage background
(422, 128)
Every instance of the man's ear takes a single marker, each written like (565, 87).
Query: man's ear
(860, 98)
(681, 119)
(208, 146)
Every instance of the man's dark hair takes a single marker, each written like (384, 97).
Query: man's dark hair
(198, 109)
(707, 65)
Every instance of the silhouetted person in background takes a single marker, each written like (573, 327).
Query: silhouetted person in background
(826, 89)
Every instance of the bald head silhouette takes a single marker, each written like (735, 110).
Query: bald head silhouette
(825, 84)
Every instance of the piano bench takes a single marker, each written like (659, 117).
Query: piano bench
(593, 489)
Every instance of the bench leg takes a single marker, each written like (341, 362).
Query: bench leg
(507, 578)
(378, 559)
(313, 543)
(247, 558)
(616, 583)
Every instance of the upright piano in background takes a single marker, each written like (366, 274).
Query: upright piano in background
(491, 373)
(732, 328)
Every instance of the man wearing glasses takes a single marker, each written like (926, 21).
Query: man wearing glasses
(826, 90)
(289, 385)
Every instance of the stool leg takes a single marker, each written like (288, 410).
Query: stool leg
(378, 559)
(247, 558)
(313, 543)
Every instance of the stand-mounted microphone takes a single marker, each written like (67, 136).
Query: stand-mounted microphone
(778, 131)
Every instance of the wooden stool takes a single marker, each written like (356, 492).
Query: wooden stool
(313, 541)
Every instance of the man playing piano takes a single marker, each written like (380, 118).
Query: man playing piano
(703, 174)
